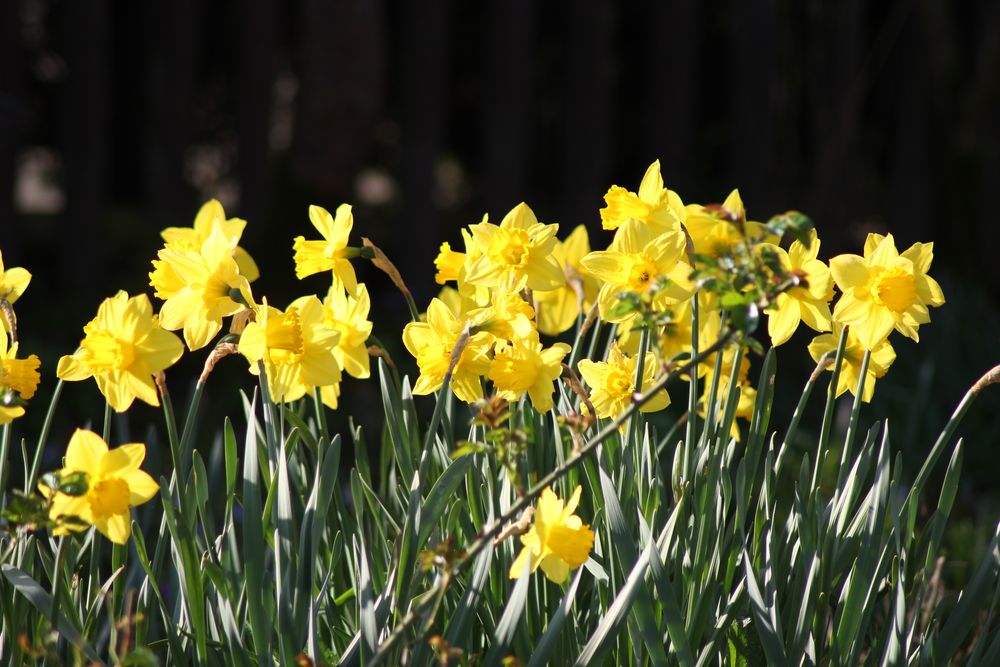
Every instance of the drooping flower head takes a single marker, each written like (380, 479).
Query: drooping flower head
(432, 343)
(13, 282)
(558, 309)
(612, 383)
(558, 541)
(808, 303)
(885, 290)
(525, 366)
(515, 255)
(198, 287)
(331, 253)
(123, 347)
(716, 229)
(115, 484)
(210, 214)
(854, 352)
(653, 205)
(296, 347)
(18, 380)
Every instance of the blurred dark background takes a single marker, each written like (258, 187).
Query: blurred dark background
(119, 118)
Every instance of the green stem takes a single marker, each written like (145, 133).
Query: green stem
(4, 452)
(831, 400)
(106, 430)
(793, 426)
(43, 436)
(852, 426)
(320, 415)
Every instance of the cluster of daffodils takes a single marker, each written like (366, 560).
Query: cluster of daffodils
(202, 276)
(672, 280)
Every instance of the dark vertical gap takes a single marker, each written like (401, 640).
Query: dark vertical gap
(13, 118)
(253, 103)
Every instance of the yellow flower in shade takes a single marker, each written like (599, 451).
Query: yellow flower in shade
(197, 287)
(18, 379)
(885, 290)
(524, 366)
(122, 348)
(457, 303)
(653, 205)
(13, 282)
(515, 255)
(349, 315)
(612, 383)
(558, 309)
(332, 253)
(296, 346)
(191, 238)
(115, 485)
(808, 303)
(558, 541)
(854, 352)
(637, 260)
(432, 343)
(715, 230)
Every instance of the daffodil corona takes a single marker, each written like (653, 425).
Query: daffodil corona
(515, 255)
(115, 485)
(525, 366)
(18, 380)
(653, 205)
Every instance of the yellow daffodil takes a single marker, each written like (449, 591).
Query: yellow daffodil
(715, 230)
(637, 260)
(122, 348)
(557, 541)
(296, 347)
(885, 290)
(348, 314)
(850, 368)
(197, 287)
(558, 309)
(808, 303)
(612, 383)
(191, 238)
(449, 264)
(432, 343)
(523, 366)
(653, 205)
(18, 380)
(332, 253)
(515, 255)
(458, 304)
(115, 484)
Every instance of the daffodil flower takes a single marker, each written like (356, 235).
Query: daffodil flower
(332, 253)
(715, 230)
(123, 347)
(653, 205)
(348, 314)
(558, 309)
(612, 383)
(808, 303)
(525, 366)
(115, 485)
(557, 541)
(210, 214)
(885, 290)
(516, 254)
(17, 376)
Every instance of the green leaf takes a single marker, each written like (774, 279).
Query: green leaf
(507, 625)
(42, 601)
(547, 644)
(440, 495)
(254, 547)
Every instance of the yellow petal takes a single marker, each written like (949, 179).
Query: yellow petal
(85, 452)
(123, 460)
(141, 487)
(116, 527)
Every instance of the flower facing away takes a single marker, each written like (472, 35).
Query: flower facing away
(295, 346)
(18, 380)
(13, 282)
(558, 541)
(331, 253)
(432, 343)
(850, 367)
(197, 286)
(524, 366)
(638, 260)
(515, 255)
(807, 303)
(123, 347)
(716, 229)
(885, 290)
(348, 314)
(115, 484)
(558, 309)
(653, 205)
(612, 383)
(210, 214)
